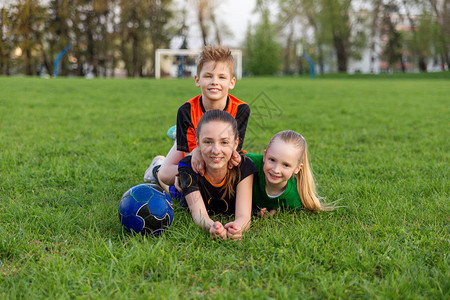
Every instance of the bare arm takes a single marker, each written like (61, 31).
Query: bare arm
(243, 209)
(198, 210)
(169, 169)
(201, 217)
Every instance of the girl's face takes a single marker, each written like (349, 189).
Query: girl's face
(215, 80)
(216, 143)
(281, 161)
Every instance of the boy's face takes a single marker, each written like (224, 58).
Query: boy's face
(215, 80)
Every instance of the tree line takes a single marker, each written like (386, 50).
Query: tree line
(103, 34)
(401, 34)
(107, 34)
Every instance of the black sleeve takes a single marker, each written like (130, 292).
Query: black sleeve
(242, 116)
(247, 167)
(188, 178)
(183, 124)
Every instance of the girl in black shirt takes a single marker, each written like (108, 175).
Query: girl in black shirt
(220, 190)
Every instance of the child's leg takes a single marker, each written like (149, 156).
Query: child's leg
(150, 174)
(169, 168)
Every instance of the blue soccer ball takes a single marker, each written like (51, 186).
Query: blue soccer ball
(146, 209)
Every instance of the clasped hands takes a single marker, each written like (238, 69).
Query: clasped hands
(229, 231)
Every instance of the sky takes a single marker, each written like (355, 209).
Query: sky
(235, 14)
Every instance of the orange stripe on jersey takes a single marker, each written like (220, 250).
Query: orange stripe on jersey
(215, 185)
(233, 104)
(197, 112)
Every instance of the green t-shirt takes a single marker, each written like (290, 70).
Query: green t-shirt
(289, 198)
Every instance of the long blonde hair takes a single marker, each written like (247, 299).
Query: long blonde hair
(306, 186)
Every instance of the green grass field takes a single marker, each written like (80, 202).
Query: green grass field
(69, 149)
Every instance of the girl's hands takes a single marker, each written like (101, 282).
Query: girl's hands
(264, 213)
(217, 231)
(230, 230)
(235, 160)
(234, 231)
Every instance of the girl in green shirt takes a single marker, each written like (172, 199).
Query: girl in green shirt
(284, 177)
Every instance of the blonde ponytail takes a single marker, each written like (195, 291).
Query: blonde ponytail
(306, 188)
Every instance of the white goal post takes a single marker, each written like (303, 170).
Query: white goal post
(237, 55)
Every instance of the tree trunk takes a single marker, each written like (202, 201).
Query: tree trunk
(320, 56)
(216, 28)
(287, 51)
(402, 64)
(442, 20)
(28, 66)
(341, 52)
(373, 32)
(201, 21)
(90, 44)
(319, 43)
(135, 56)
(46, 62)
(420, 57)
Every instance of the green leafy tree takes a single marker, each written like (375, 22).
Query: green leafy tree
(132, 37)
(144, 27)
(425, 36)
(57, 34)
(334, 24)
(413, 43)
(28, 19)
(441, 10)
(263, 52)
(158, 24)
(307, 15)
(208, 22)
(92, 23)
(393, 50)
(375, 24)
(336, 20)
(287, 17)
(6, 40)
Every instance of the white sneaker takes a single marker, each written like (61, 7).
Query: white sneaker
(149, 175)
(172, 132)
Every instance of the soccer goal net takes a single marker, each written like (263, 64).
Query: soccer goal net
(182, 62)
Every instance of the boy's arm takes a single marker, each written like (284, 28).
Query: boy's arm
(169, 169)
(235, 160)
(197, 162)
(242, 116)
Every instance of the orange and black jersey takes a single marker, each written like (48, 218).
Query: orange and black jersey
(189, 115)
(216, 202)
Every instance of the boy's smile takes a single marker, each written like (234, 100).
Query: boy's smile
(214, 81)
